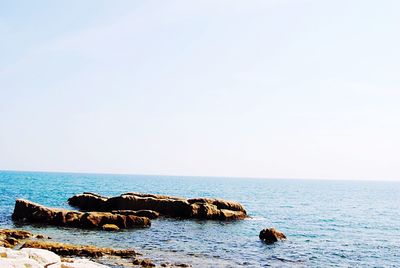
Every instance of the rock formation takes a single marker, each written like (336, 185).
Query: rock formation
(10, 238)
(40, 258)
(271, 235)
(31, 212)
(37, 251)
(136, 203)
(64, 249)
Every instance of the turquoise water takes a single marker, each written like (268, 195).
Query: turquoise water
(328, 223)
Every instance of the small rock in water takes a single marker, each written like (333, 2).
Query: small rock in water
(110, 227)
(143, 262)
(40, 236)
(271, 235)
(182, 265)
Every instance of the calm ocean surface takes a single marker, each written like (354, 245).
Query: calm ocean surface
(328, 223)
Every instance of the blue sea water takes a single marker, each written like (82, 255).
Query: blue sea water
(328, 223)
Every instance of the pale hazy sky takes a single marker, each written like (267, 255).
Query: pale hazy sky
(271, 88)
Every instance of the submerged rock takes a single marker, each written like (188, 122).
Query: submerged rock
(31, 212)
(271, 235)
(143, 263)
(149, 204)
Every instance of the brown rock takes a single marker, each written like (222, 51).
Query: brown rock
(88, 201)
(18, 234)
(141, 213)
(143, 262)
(24, 239)
(12, 241)
(205, 211)
(271, 235)
(10, 238)
(139, 204)
(32, 212)
(63, 249)
(219, 203)
(226, 214)
(40, 236)
(110, 227)
(157, 196)
(165, 206)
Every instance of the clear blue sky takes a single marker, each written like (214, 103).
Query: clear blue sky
(271, 88)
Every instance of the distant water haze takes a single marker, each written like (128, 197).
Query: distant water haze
(269, 89)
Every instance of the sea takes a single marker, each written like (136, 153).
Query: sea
(328, 223)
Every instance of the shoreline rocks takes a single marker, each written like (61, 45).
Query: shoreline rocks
(29, 240)
(64, 249)
(11, 238)
(40, 258)
(31, 212)
(271, 235)
(170, 206)
(36, 251)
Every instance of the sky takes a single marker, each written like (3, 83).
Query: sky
(269, 88)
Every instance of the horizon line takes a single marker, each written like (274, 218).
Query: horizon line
(201, 176)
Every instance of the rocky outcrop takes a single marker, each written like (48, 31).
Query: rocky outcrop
(63, 249)
(40, 258)
(31, 212)
(200, 208)
(271, 235)
(38, 251)
(10, 238)
(89, 202)
(34, 254)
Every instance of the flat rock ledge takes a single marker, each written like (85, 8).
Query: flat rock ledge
(10, 238)
(40, 258)
(64, 249)
(153, 205)
(19, 248)
(31, 212)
